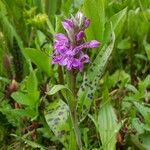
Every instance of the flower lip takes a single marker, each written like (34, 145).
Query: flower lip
(94, 44)
(68, 24)
(86, 23)
(60, 38)
(80, 36)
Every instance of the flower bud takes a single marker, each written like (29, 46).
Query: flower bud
(86, 23)
(68, 24)
(94, 44)
(7, 62)
(30, 13)
(12, 87)
(80, 18)
(39, 20)
(80, 36)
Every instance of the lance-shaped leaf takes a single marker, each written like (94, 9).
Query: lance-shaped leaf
(108, 127)
(96, 28)
(57, 88)
(66, 92)
(145, 111)
(91, 80)
(117, 21)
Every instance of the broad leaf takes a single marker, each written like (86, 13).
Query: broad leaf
(26, 99)
(40, 59)
(56, 115)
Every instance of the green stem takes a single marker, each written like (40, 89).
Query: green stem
(131, 54)
(60, 75)
(74, 117)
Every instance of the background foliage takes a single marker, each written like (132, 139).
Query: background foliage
(113, 91)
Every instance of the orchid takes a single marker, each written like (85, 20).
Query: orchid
(68, 48)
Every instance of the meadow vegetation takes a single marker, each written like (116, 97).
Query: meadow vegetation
(48, 104)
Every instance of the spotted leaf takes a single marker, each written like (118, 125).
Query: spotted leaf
(92, 77)
(57, 118)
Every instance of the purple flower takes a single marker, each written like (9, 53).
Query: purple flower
(68, 49)
(86, 23)
(61, 43)
(80, 36)
(68, 24)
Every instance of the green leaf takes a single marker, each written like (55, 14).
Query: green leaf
(131, 88)
(14, 115)
(92, 77)
(51, 6)
(117, 21)
(78, 3)
(28, 142)
(133, 22)
(56, 115)
(145, 140)
(24, 99)
(118, 76)
(66, 92)
(57, 88)
(145, 111)
(139, 145)
(66, 6)
(108, 127)
(5, 80)
(137, 125)
(34, 96)
(146, 81)
(94, 121)
(147, 49)
(97, 17)
(10, 29)
(124, 44)
(32, 83)
(40, 59)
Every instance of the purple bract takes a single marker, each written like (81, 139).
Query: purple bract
(68, 49)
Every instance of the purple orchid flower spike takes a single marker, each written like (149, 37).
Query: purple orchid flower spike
(68, 48)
